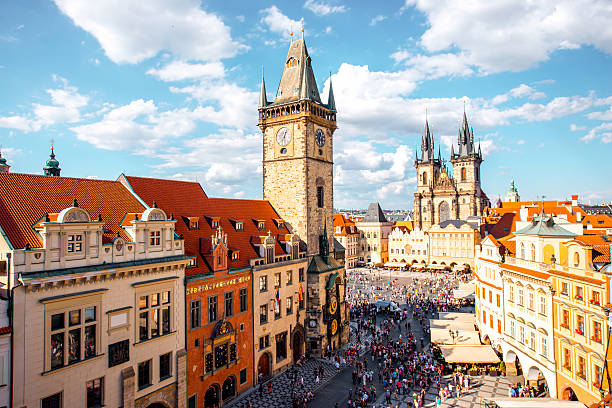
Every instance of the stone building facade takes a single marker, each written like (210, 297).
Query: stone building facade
(100, 285)
(375, 229)
(298, 149)
(443, 196)
(347, 234)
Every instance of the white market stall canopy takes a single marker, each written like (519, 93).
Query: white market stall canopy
(395, 264)
(463, 317)
(468, 354)
(533, 403)
(451, 324)
(442, 336)
(463, 294)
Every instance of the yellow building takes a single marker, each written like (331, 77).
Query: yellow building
(453, 243)
(582, 288)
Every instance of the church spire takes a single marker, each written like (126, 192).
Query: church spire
(331, 101)
(297, 81)
(4, 166)
(263, 97)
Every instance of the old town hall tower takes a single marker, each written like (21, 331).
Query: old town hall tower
(443, 196)
(297, 132)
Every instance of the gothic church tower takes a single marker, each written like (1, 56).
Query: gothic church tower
(298, 133)
(427, 169)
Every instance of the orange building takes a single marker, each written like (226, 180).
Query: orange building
(218, 236)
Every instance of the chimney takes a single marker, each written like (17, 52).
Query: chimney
(575, 200)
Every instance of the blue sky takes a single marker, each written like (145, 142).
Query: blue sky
(170, 88)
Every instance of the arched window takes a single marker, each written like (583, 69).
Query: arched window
(522, 251)
(443, 211)
(425, 178)
(576, 259)
(477, 174)
(463, 174)
(292, 62)
(532, 253)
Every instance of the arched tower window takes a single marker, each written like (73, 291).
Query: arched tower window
(443, 211)
(425, 178)
(576, 259)
(292, 62)
(463, 174)
(522, 251)
(532, 253)
(477, 174)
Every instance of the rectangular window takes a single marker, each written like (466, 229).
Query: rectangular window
(490, 297)
(595, 299)
(95, 393)
(597, 332)
(243, 300)
(277, 309)
(289, 305)
(73, 336)
(512, 330)
(239, 226)
(144, 374)
(566, 319)
(229, 304)
(543, 305)
(499, 330)
(531, 301)
(263, 314)
(212, 308)
(243, 376)
(75, 243)
(544, 347)
(498, 300)
(289, 277)
(521, 297)
(53, 401)
(165, 366)
(598, 376)
(263, 283)
(580, 325)
(581, 367)
(155, 238)
(281, 346)
(277, 280)
(522, 334)
(264, 342)
(154, 315)
(320, 196)
(511, 294)
(192, 401)
(567, 359)
(532, 342)
(564, 288)
(579, 295)
(195, 314)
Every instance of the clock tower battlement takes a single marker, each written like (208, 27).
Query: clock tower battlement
(298, 130)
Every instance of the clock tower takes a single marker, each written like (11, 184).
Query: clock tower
(298, 133)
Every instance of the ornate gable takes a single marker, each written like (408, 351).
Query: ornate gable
(444, 182)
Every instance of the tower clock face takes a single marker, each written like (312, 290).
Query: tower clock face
(320, 137)
(283, 136)
(334, 327)
(333, 305)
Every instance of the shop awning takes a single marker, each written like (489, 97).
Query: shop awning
(442, 336)
(463, 294)
(463, 317)
(451, 324)
(468, 354)
(395, 264)
(533, 403)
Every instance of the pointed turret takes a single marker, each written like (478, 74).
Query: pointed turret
(298, 81)
(263, 97)
(427, 144)
(331, 101)
(452, 152)
(465, 138)
(439, 155)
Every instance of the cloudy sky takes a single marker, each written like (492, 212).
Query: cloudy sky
(170, 88)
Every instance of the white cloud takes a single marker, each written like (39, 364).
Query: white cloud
(521, 91)
(137, 126)
(279, 23)
(321, 8)
(514, 35)
(379, 18)
(606, 115)
(131, 31)
(602, 132)
(520, 142)
(575, 128)
(19, 122)
(181, 70)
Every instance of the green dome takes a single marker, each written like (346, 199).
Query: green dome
(52, 163)
(2, 160)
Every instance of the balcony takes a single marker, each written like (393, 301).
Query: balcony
(524, 263)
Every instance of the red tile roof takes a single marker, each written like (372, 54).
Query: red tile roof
(26, 198)
(187, 199)
(346, 225)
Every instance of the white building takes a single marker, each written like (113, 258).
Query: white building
(489, 291)
(528, 299)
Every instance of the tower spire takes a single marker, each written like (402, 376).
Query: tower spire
(331, 101)
(52, 165)
(263, 97)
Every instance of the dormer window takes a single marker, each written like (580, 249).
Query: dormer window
(75, 243)
(155, 238)
(214, 223)
(281, 224)
(270, 254)
(235, 255)
(261, 225)
(194, 223)
(239, 226)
